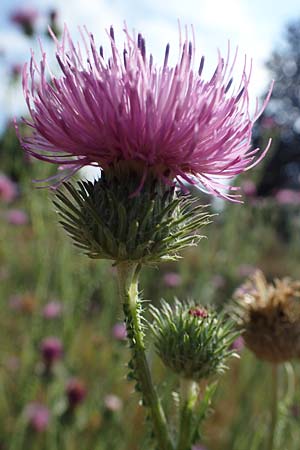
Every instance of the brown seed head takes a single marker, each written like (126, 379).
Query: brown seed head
(269, 313)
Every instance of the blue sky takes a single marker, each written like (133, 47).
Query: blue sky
(256, 26)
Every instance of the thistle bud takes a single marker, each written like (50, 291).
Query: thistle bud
(269, 314)
(124, 217)
(191, 340)
(51, 350)
(75, 392)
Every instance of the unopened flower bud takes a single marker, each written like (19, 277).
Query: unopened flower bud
(192, 341)
(51, 350)
(76, 392)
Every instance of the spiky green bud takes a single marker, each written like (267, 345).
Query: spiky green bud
(191, 340)
(117, 218)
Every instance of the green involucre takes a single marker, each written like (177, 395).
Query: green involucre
(112, 219)
(193, 347)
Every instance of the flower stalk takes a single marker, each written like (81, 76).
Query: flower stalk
(274, 406)
(128, 287)
(189, 396)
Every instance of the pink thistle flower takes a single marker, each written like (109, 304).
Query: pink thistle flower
(38, 416)
(25, 18)
(119, 331)
(52, 310)
(172, 279)
(76, 392)
(51, 350)
(167, 120)
(16, 217)
(197, 311)
(113, 402)
(287, 197)
(8, 189)
(249, 188)
(238, 344)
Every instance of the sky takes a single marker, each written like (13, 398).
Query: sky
(255, 26)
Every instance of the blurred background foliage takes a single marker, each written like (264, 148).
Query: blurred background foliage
(63, 347)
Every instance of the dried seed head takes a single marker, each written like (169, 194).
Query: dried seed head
(269, 313)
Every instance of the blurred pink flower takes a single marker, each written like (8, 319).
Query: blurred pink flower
(16, 217)
(165, 119)
(287, 197)
(76, 392)
(198, 447)
(38, 416)
(172, 279)
(51, 349)
(8, 189)
(238, 344)
(52, 310)
(24, 303)
(26, 18)
(249, 188)
(24, 15)
(113, 403)
(119, 331)
(16, 70)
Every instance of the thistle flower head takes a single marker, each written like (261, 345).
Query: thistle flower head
(119, 331)
(192, 341)
(52, 310)
(16, 217)
(8, 189)
(75, 392)
(38, 416)
(51, 349)
(168, 119)
(25, 18)
(269, 314)
(113, 403)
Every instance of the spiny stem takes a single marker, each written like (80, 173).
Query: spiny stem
(188, 399)
(128, 286)
(273, 406)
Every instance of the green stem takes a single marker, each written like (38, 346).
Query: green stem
(188, 400)
(128, 287)
(273, 406)
(291, 383)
